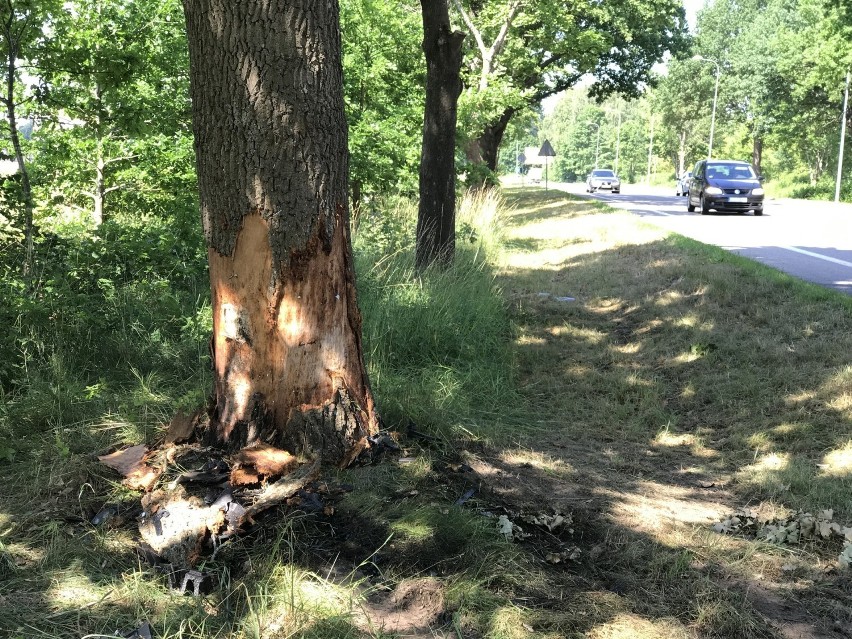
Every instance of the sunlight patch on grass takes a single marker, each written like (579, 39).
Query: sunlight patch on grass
(537, 460)
(631, 348)
(21, 555)
(839, 389)
(557, 204)
(838, 463)
(771, 462)
(292, 599)
(509, 622)
(669, 439)
(588, 335)
(670, 298)
(74, 590)
(631, 626)
(684, 358)
(414, 530)
(529, 340)
(580, 236)
(656, 508)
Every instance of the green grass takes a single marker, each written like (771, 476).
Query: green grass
(438, 344)
(675, 362)
(669, 334)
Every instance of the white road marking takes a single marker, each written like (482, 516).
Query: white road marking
(817, 255)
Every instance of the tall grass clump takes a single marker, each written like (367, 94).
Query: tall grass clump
(437, 342)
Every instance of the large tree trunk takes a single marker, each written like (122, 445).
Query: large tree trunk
(271, 146)
(436, 219)
(485, 148)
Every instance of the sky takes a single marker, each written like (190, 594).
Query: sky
(692, 7)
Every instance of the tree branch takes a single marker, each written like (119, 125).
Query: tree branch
(483, 50)
(120, 159)
(500, 40)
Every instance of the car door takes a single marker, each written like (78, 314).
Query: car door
(696, 183)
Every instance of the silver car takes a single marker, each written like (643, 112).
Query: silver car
(682, 183)
(603, 179)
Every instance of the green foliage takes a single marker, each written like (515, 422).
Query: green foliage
(113, 111)
(622, 143)
(383, 79)
(782, 67)
(551, 45)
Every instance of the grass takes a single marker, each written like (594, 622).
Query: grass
(576, 358)
(687, 347)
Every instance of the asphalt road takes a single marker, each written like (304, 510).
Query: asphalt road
(811, 240)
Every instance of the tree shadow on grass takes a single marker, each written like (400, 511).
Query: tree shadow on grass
(680, 382)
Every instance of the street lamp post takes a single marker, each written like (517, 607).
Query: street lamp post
(617, 141)
(842, 141)
(715, 97)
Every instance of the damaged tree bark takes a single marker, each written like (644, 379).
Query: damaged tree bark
(272, 159)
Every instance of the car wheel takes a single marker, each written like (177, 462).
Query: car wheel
(758, 212)
(689, 205)
(617, 192)
(705, 210)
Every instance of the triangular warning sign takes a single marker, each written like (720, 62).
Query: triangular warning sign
(546, 150)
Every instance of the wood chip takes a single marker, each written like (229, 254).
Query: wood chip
(279, 491)
(125, 461)
(181, 427)
(130, 462)
(252, 465)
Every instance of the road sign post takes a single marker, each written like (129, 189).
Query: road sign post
(546, 151)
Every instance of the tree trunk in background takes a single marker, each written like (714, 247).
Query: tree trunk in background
(757, 155)
(271, 147)
(485, 148)
(436, 217)
(681, 153)
(26, 190)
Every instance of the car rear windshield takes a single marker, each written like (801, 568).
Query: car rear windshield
(730, 171)
(603, 173)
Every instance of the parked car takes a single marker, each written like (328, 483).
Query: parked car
(725, 185)
(603, 179)
(682, 183)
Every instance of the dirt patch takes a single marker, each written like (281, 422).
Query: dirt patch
(414, 607)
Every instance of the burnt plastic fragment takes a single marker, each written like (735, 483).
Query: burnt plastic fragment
(142, 632)
(105, 514)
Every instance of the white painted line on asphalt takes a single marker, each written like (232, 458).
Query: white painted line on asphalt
(817, 255)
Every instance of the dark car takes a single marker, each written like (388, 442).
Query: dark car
(725, 185)
(603, 179)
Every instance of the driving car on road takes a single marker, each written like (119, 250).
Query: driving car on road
(682, 183)
(603, 179)
(725, 185)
